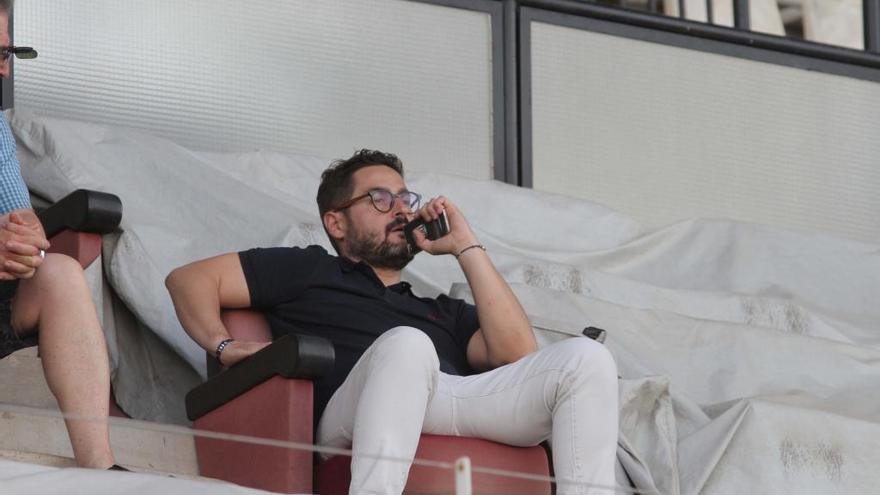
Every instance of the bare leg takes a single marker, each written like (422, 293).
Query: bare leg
(57, 302)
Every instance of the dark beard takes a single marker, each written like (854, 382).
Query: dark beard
(380, 254)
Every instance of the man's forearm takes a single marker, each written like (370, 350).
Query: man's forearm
(197, 303)
(504, 324)
(200, 291)
(505, 334)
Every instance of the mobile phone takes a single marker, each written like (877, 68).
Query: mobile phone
(433, 230)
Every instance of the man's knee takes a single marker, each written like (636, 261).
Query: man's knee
(58, 281)
(405, 338)
(589, 359)
(59, 269)
(408, 346)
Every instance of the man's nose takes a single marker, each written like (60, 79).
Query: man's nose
(4, 69)
(401, 207)
(403, 214)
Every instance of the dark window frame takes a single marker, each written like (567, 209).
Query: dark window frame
(511, 57)
(670, 31)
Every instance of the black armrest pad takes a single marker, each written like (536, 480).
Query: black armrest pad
(83, 211)
(291, 356)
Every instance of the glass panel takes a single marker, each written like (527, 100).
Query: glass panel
(665, 133)
(323, 78)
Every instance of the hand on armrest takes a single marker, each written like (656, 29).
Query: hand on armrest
(74, 224)
(291, 356)
(238, 350)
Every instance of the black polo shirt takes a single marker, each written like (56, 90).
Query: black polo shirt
(309, 291)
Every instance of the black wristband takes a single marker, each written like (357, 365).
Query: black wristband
(222, 345)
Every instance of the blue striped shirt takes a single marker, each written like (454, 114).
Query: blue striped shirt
(13, 192)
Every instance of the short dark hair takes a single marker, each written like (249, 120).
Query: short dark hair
(5, 6)
(337, 186)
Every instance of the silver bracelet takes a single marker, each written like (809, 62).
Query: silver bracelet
(469, 247)
(220, 347)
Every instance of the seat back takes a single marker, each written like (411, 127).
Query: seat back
(281, 409)
(278, 409)
(246, 324)
(242, 324)
(334, 475)
(84, 247)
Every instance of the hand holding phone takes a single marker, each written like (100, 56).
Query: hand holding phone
(433, 230)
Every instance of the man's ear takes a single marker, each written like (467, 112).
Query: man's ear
(335, 224)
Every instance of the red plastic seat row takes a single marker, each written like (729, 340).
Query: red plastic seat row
(255, 398)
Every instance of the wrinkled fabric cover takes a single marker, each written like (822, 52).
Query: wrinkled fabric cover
(748, 354)
(18, 478)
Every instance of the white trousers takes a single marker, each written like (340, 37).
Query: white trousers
(565, 392)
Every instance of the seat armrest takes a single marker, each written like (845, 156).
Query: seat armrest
(83, 211)
(291, 356)
(84, 247)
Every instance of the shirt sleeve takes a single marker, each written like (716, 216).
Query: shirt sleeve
(466, 321)
(276, 275)
(13, 191)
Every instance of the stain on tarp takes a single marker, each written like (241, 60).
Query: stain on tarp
(781, 315)
(554, 277)
(820, 459)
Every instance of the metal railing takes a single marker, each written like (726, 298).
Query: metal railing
(459, 472)
(741, 16)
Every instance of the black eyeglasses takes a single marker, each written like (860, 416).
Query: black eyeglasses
(383, 200)
(24, 52)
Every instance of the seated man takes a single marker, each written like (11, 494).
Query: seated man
(50, 296)
(405, 364)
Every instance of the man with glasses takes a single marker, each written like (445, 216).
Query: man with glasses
(48, 294)
(407, 364)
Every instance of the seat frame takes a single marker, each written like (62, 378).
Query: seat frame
(270, 395)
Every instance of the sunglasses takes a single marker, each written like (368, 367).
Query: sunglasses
(23, 52)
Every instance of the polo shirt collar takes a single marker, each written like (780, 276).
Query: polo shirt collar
(401, 288)
(349, 265)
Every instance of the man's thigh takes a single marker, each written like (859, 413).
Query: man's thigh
(511, 404)
(374, 381)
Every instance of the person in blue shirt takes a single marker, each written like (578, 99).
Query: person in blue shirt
(47, 294)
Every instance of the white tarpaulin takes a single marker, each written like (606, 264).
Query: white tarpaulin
(18, 478)
(748, 354)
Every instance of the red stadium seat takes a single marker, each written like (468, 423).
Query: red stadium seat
(281, 408)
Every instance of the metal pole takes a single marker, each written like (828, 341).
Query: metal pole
(511, 173)
(710, 16)
(871, 17)
(463, 476)
(681, 9)
(741, 15)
